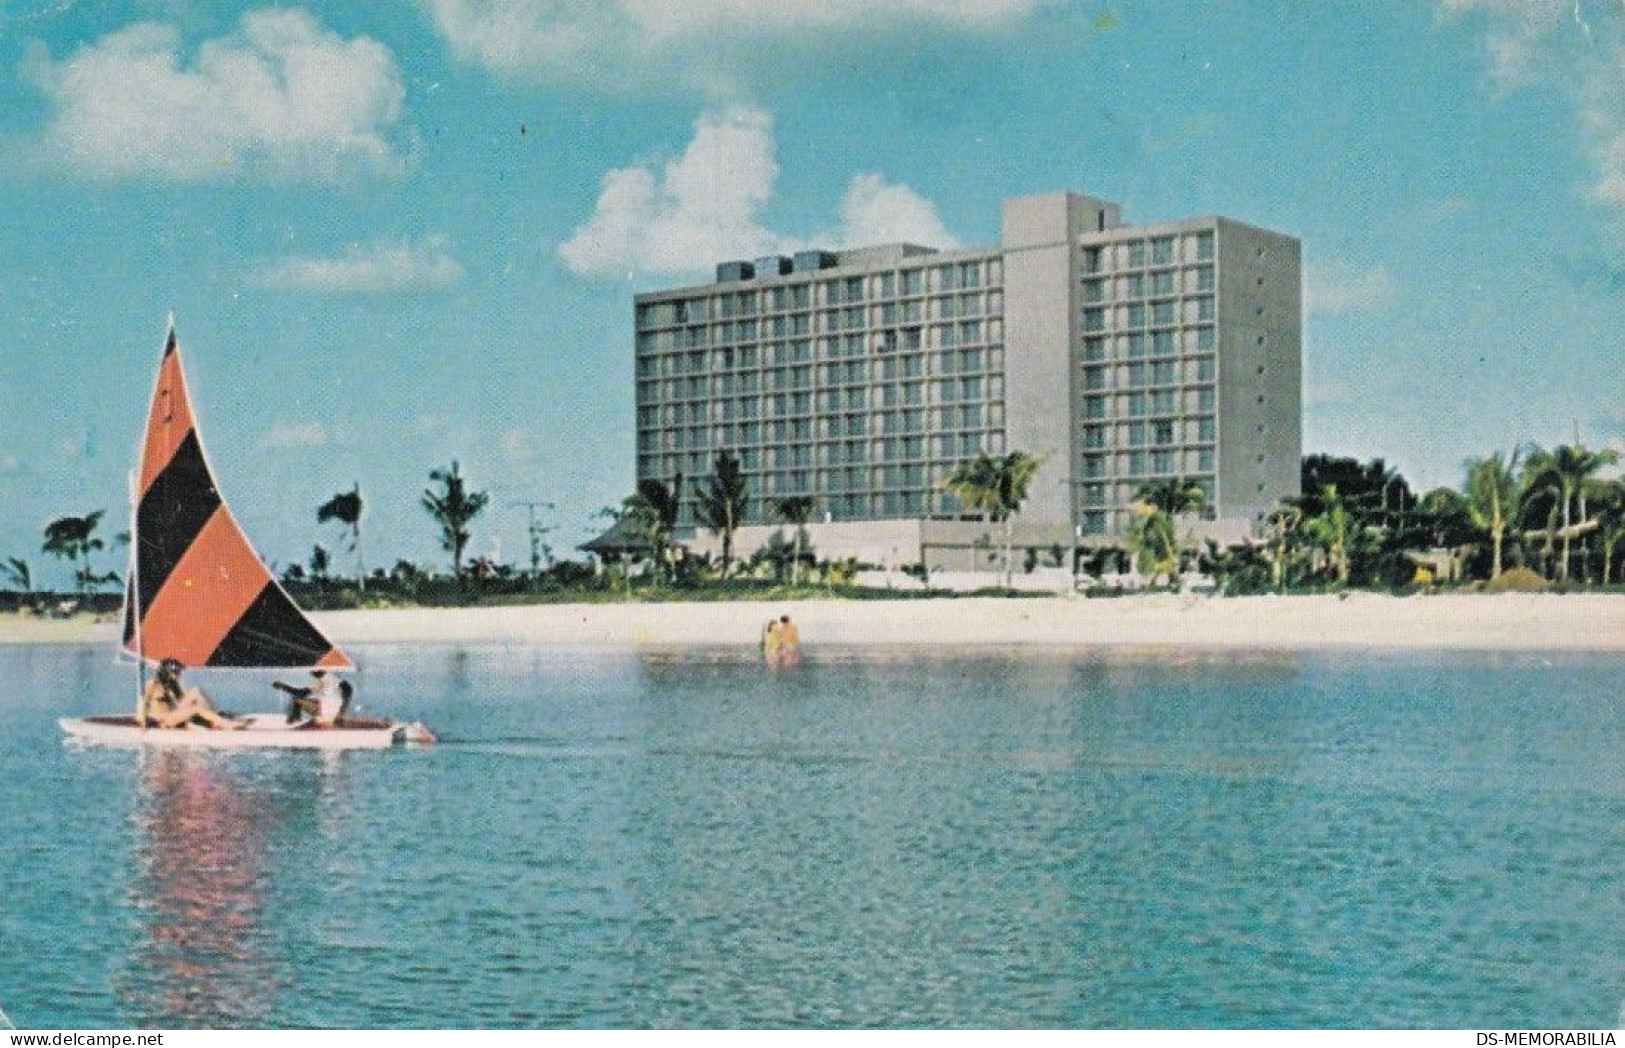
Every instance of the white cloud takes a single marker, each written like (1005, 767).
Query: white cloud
(280, 98)
(297, 435)
(1579, 45)
(367, 269)
(1325, 394)
(697, 43)
(705, 206)
(877, 212)
(10, 464)
(1337, 287)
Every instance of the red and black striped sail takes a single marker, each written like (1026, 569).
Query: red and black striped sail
(200, 592)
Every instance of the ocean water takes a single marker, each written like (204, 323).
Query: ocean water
(874, 838)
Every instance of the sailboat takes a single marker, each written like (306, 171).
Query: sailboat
(198, 593)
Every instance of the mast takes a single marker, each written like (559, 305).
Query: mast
(133, 596)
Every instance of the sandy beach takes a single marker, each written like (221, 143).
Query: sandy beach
(1504, 622)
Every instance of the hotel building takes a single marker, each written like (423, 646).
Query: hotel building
(1124, 355)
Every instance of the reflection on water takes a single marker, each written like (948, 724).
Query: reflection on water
(874, 838)
(205, 876)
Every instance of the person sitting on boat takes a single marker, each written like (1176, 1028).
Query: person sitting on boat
(325, 701)
(165, 704)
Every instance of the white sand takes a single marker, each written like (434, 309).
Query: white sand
(1505, 622)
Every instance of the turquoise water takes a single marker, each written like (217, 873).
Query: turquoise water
(873, 838)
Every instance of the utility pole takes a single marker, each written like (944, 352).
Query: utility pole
(535, 532)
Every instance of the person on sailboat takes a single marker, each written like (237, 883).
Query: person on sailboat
(325, 700)
(165, 704)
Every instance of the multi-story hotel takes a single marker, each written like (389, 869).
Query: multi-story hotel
(1124, 355)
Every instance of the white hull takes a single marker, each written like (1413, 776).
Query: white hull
(265, 730)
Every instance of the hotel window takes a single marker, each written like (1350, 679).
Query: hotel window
(1136, 254)
(1162, 402)
(1204, 246)
(1204, 399)
(1162, 343)
(1162, 431)
(1162, 312)
(801, 297)
(1135, 404)
(944, 278)
(1137, 463)
(1094, 290)
(1204, 428)
(1162, 251)
(1204, 369)
(1162, 283)
(1094, 378)
(970, 416)
(888, 285)
(970, 275)
(1094, 349)
(970, 360)
(1204, 339)
(1204, 462)
(1162, 373)
(1162, 462)
(970, 331)
(1204, 308)
(1093, 260)
(1094, 524)
(1134, 286)
(1135, 346)
(1134, 375)
(1094, 466)
(1134, 434)
(970, 389)
(913, 281)
(1203, 278)
(1094, 320)
(1094, 437)
(1094, 407)
(1134, 316)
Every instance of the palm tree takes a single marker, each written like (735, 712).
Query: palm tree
(17, 572)
(1152, 541)
(453, 507)
(1610, 503)
(1562, 473)
(795, 510)
(345, 507)
(652, 512)
(73, 539)
(1284, 522)
(721, 503)
(1492, 499)
(1174, 497)
(996, 488)
(1330, 529)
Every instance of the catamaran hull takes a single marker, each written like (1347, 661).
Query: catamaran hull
(264, 731)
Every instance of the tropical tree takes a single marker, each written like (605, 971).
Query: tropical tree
(16, 570)
(1174, 497)
(345, 507)
(320, 561)
(1152, 541)
(652, 513)
(721, 503)
(1493, 492)
(454, 508)
(1562, 473)
(795, 510)
(74, 539)
(1283, 523)
(995, 488)
(1610, 508)
(1331, 529)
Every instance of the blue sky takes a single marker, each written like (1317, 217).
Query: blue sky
(397, 234)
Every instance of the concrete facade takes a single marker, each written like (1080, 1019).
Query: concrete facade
(1122, 355)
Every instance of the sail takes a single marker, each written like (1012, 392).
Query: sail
(198, 592)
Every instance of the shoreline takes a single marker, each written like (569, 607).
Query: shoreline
(1509, 622)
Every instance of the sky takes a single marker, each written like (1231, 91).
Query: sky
(397, 235)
